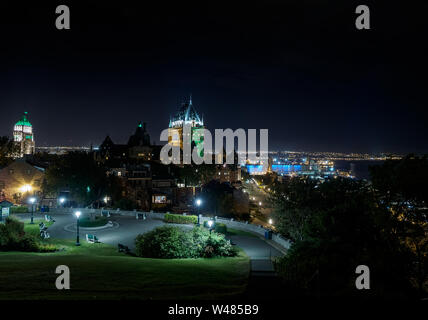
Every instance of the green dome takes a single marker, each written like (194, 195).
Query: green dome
(24, 121)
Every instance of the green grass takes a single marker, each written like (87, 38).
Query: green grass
(86, 222)
(236, 232)
(33, 229)
(98, 271)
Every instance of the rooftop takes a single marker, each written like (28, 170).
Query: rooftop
(24, 121)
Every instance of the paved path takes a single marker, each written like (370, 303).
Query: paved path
(127, 228)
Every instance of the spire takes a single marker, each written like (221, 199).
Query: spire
(190, 100)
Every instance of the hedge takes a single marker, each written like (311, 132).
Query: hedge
(178, 218)
(19, 209)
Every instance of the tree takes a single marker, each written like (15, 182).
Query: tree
(8, 149)
(218, 198)
(401, 187)
(78, 173)
(338, 225)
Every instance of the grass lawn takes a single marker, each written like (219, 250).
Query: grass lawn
(98, 271)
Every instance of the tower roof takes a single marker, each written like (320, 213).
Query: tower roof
(141, 137)
(24, 121)
(187, 112)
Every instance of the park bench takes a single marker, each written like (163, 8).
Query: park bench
(122, 248)
(110, 224)
(92, 238)
(49, 218)
(44, 234)
(105, 213)
(43, 231)
(140, 216)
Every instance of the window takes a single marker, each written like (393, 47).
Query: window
(159, 199)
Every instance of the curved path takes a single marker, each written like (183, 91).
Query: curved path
(126, 228)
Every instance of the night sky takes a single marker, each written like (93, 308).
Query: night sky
(299, 68)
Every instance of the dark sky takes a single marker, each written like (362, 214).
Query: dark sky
(299, 68)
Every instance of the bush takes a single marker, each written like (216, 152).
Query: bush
(86, 222)
(220, 228)
(47, 247)
(19, 209)
(173, 242)
(13, 237)
(164, 242)
(178, 218)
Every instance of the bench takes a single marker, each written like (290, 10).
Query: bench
(92, 238)
(110, 224)
(122, 248)
(140, 216)
(44, 234)
(49, 218)
(105, 213)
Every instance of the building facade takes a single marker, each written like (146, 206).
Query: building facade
(23, 136)
(19, 181)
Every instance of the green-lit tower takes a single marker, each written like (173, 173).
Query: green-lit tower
(23, 136)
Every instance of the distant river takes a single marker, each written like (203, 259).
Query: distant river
(361, 167)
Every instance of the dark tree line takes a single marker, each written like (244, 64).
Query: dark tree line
(82, 177)
(342, 223)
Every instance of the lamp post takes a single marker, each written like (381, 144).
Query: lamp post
(32, 200)
(210, 224)
(61, 201)
(77, 213)
(198, 204)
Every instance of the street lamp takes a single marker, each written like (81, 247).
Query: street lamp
(270, 221)
(198, 203)
(260, 203)
(210, 224)
(26, 188)
(77, 213)
(32, 200)
(62, 200)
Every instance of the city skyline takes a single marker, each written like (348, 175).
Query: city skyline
(303, 72)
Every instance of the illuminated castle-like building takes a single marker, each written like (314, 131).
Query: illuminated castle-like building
(186, 115)
(23, 136)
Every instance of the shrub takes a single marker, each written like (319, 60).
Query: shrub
(27, 243)
(14, 226)
(98, 221)
(221, 228)
(19, 209)
(178, 218)
(164, 242)
(174, 242)
(218, 246)
(47, 247)
(13, 237)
